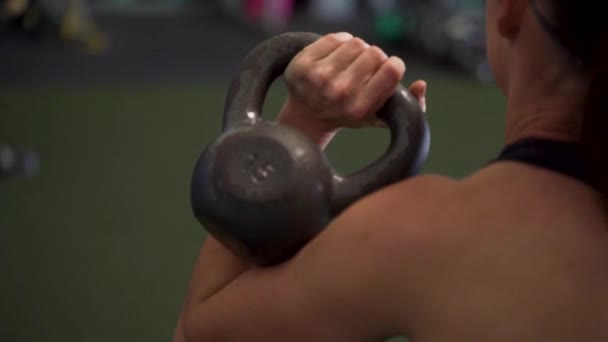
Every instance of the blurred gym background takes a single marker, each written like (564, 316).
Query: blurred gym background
(105, 106)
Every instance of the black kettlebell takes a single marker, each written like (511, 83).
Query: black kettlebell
(265, 190)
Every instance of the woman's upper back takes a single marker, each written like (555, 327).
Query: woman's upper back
(513, 252)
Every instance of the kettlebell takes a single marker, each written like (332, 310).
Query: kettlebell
(265, 190)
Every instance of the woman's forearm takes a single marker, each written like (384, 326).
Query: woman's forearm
(294, 115)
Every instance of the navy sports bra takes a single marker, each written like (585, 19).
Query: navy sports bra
(558, 156)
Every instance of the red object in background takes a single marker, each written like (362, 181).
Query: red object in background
(285, 8)
(255, 9)
(273, 14)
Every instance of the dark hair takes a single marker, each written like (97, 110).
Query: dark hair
(582, 31)
(595, 124)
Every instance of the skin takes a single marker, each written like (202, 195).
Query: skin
(523, 258)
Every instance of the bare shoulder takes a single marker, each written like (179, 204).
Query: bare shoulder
(507, 239)
(396, 232)
(391, 223)
(404, 213)
(465, 245)
(399, 214)
(414, 198)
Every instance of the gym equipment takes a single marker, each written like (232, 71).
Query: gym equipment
(450, 31)
(264, 190)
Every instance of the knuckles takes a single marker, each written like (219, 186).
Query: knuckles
(392, 74)
(338, 91)
(330, 38)
(320, 75)
(328, 83)
(299, 67)
(356, 110)
(357, 44)
(376, 55)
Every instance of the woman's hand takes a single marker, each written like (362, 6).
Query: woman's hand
(341, 81)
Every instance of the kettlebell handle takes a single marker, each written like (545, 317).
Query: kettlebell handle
(410, 137)
(259, 69)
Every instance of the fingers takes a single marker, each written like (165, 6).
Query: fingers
(342, 80)
(309, 67)
(350, 83)
(351, 66)
(326, 45)
(382, 85)
(366, 65)
(418, 91)
(348, 52)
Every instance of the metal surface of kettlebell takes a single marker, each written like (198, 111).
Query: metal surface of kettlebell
(265, 190)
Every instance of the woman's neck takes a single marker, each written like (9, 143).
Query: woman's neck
(543, 120)
(550, 108)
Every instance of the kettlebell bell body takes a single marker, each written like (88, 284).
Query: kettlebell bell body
(264, 190)
(267, 190)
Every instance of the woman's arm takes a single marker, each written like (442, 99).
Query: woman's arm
(214, 255)
(296, 115)
(337, 81)
(349, 284)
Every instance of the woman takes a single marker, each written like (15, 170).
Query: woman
(518, 251)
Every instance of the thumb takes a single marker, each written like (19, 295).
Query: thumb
(418, 91)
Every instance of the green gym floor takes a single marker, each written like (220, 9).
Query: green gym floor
(99, 246)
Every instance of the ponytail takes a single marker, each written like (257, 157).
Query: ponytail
(585, 38)
(595, 120)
